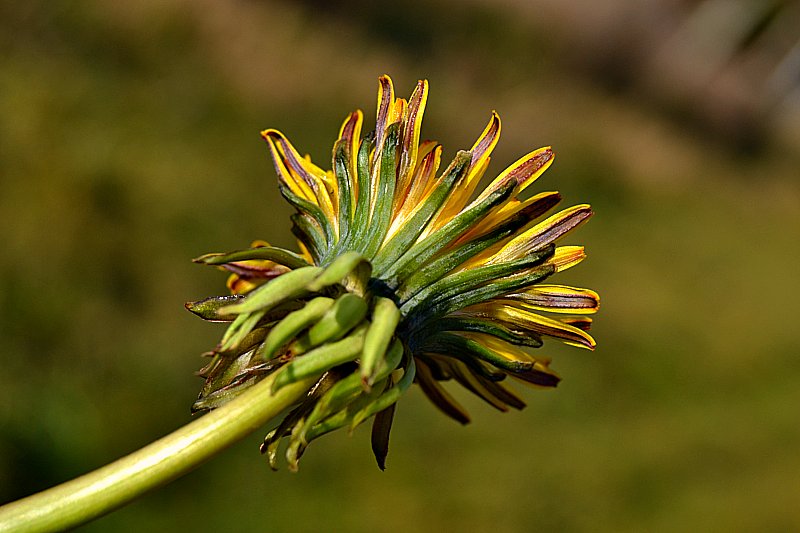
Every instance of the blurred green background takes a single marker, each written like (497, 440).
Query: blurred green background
(129, 144)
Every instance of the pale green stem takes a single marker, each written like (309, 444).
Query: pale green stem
(109, 487)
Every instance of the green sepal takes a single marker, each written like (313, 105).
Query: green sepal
(360, 226)
(273, 438)
(228, 378)
(302, 435)
(431, 245)
(333, 411)
(239, 329)
(340, 395)
(347, 394)
(312, 210)
(208, 308)
(385, 317)
(416, 223)
(337, 270)
(220, 397)
(294, 323)
(389, 397)
(352, 406)
(307, 231)
(466, 280)
(321, 359)
(342, 159)
(343, 417)
(246, 339)
(285, 287)
(381, 216)
(346, 313)
(347, 390)
(267, 253)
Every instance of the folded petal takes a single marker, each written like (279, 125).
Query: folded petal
(515, 316)
(543, 233)
(524, 171)
(411, 130)
(383, 118)
(481, 154)
(558, 299)
(301, 172)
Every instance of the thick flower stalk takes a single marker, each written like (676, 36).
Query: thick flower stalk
(404, 275)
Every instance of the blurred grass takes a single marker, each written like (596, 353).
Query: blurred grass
(129, 144)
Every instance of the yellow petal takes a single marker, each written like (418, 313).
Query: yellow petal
(421, 185)
(567, 257)
(304, 252)
(350, 134)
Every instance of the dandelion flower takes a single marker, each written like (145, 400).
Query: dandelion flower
(405, 274)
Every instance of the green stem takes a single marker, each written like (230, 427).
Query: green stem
(109, 487)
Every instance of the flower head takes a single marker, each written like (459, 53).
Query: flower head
(404, 275)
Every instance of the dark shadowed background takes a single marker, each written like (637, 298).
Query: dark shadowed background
(129, 143)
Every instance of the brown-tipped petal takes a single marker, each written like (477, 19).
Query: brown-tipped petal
(530, 209)
(410, 143)
(303, 171)
(481, 154)
(543, 233)
(580, 322)
(515, 313)
(430, 157)
(350, 133)
(385, 104)
(290, 179)
(558, 299)
(524, 171)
